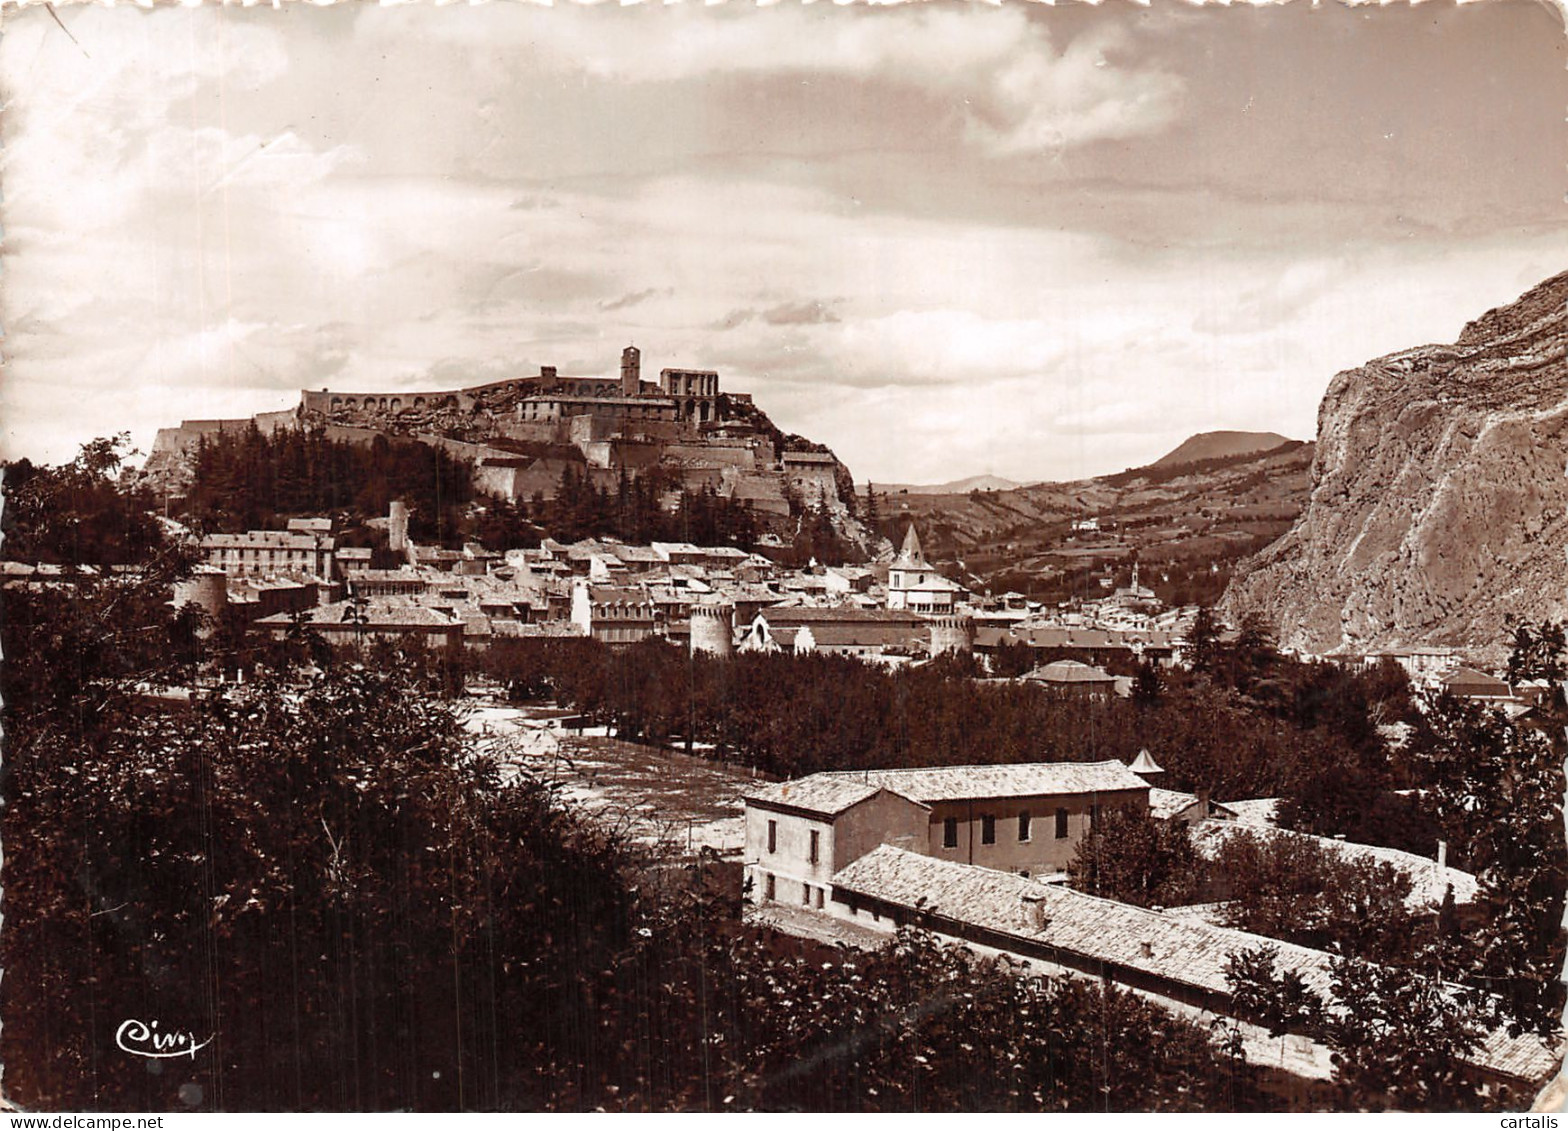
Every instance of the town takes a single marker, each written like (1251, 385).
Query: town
(1100, 790)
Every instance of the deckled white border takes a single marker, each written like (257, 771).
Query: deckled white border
(1554, 1096)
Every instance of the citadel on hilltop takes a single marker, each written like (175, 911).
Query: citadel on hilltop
(520, 434)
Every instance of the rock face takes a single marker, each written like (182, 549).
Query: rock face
(1439, 504)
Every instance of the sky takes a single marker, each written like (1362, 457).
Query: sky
(946, 239)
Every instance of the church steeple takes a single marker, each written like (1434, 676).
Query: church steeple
(911, 556)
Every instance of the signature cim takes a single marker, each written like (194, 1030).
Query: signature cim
(141, 1038)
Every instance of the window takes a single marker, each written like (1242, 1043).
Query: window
(987, 829)
(950, 832)
(773, 836)
(805, 895)
(770, 887)
(819, 899)
(1061, 824)
(816, 845)
(1023, 825)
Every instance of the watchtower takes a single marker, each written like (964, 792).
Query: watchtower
(631, 372)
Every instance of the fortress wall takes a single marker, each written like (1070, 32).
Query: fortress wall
(270, 422)
(739, 457)
(352, 435)
(539, 432)
(474, 453)
(494, 479)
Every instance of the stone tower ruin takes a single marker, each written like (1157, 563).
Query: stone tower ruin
(954, 635)
(713, 630)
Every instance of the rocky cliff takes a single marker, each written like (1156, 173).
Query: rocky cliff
(1439, 504)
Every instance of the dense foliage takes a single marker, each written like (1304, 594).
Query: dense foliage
(1293, 889)
(650, 507)
(77, 514)
(1130, 857)
(793, 715)
(1398, 1036)
(254, 480)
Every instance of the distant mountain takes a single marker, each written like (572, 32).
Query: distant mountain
(1220, 445)
(956, 487)
(1187, 524)
(1439, 507)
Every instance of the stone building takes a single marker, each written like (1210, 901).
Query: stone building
(270, 551)
(914, 584)
(1027, 818)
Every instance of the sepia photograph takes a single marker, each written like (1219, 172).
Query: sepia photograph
(791, 556)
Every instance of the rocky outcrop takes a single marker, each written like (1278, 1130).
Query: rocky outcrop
(1439, 505)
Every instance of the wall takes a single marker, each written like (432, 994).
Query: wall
(886, 818)
(1042, 853)
(790, 863)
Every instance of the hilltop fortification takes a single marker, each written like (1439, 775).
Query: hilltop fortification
(1439, 504)
(520, 434)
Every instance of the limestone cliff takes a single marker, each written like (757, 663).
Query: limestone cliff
(1439, 503)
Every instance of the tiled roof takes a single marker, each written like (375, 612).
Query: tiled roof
(267, 539)
(1069, 671)
(829, 794)
(795, 615)
(1167, 803)
(1182, 951)
(1429, 880)
(1255, 811)
(1025, 779)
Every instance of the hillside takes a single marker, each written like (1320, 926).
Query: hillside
(1220, 445)
(956, 487)
(1439, 507)
(1186, 524)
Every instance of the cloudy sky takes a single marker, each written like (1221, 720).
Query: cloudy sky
(946, 239)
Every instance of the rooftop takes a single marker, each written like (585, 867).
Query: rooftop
(1429, 880)
(1022, 779)
(1182, 951)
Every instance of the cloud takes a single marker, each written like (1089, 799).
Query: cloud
(636, 298)
(997, 69)
(784, 314)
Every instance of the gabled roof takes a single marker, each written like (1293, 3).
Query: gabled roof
(827, 794)
(1166, 804)
(1468, 681)
(1024, 779)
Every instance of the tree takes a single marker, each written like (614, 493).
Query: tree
(1202, 640)
(1131, 857)
(77, 514)
(1399, 1038)
(1496, 785)
(1538, 654)
(1290, 888)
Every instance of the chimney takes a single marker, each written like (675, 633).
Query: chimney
(1442, 854)
(1034, 911)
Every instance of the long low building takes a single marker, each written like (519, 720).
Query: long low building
(1026, 817)
(1176, 961)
